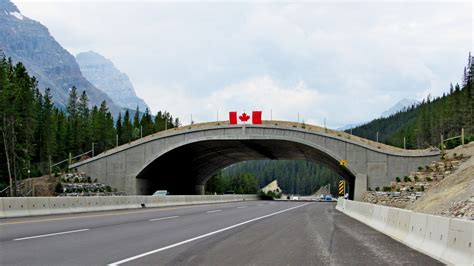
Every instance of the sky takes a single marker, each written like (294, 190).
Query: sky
(339, 62)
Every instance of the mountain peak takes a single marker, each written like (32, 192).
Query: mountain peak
(28, 41)
(7, 6)
(103, 74)
(10, 10)
(399, 106)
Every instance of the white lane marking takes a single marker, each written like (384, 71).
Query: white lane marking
(260, 205)
(240, 207)
(163, 218)
(202, 236)
(54, 234)
(213, 211)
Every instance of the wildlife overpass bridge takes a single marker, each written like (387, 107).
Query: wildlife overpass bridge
(181, 160)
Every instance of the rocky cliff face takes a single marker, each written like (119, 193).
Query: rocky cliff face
(29, 42)
(102, 73)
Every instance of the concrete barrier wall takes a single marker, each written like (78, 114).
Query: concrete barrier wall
(14, 207)
(58, 205)
(459, 249)
(31, 206)
(38, 206)
(417, 229)
(2, 212)
(436, 236)
(449, 240)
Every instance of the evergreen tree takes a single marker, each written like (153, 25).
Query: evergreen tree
(147, 123)
(118, 128)
(136, 125)
(127, 129)
(84, 127)
(73, 122)
(45, 131)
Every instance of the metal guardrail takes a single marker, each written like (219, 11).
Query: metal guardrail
(5, 191)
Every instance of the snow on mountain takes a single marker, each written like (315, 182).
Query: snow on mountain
(28, 41)
(17, 15)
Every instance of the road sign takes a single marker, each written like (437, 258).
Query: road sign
(341, 188)
(343, 162)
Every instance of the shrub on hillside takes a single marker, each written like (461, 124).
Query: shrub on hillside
(58, 188)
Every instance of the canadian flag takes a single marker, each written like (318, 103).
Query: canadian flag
(243, 118)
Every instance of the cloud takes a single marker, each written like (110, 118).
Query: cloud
(343, 61)
(260, 93)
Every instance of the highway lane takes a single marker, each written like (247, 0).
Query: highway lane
(243, 233)
(27, 226)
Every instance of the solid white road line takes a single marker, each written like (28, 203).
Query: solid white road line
(54, 234)
(213, 211)
(202, 236)
(260, 205)
(163, 218)
(240, 207)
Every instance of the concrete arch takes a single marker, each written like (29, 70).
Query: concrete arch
(130, 167)
(204, 156)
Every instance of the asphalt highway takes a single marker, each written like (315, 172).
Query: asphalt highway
(242, 233)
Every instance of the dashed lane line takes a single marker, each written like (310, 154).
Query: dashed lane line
(201, 236)
(53, 234)
(213, 211)
(163, 218)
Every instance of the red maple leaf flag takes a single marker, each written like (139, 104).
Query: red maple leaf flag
(233, 118)
(244, 117)
(257, 117)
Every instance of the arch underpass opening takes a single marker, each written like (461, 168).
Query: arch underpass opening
(184, 170)
(294, 177)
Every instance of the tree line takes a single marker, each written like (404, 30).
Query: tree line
(293, 176)
(35, 132)
(425, 124)
(242, 183)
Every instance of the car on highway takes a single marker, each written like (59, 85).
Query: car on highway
(295, 197)
(161, 193)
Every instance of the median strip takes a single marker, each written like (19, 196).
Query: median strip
(202, 236)
(163, 218)
(213, 211)
(53, 234)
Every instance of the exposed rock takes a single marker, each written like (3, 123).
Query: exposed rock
(434, 189)
(102, 73)
(272, 187)
(27, 41)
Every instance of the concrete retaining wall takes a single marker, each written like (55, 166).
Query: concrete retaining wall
(31, 206)
(446, 239)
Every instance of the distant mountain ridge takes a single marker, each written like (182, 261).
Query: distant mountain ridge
(28, 41)
(102, 73)
(401, 105)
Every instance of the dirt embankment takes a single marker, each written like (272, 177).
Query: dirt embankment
(39, 186)
(454, 195)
